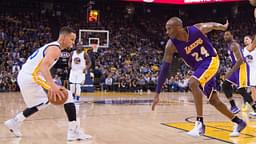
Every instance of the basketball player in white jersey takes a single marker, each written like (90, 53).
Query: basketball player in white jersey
(250, 55)
(79, 63)
(35, 79)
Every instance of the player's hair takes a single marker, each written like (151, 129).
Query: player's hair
(66, 30)
(249, 36)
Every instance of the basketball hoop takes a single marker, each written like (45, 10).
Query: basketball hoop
(95, 47)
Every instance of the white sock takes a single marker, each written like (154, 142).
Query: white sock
(72, 125)
(77, 105)
(20, 117)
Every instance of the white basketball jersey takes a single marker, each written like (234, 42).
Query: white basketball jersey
(78, 61)
(32, 65)
(251, 60)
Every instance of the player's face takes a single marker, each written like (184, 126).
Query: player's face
(247, 40)
(227, 36)
(79, 48)
(69, 40)
(171, 30)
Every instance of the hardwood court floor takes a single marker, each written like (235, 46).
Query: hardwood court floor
(118, 123)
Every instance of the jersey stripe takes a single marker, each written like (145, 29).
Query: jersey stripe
(38, 79)
(210, 72)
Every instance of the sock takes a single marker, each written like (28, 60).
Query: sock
(70, 110)
(236, 120)
(200, 119)
(72, 125)
(20, 117)
(77, 105)
(232, 103)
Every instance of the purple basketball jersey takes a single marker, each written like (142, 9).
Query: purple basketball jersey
(232, 55)
(241, 76)
(196, 49)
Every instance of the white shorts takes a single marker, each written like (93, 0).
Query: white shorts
(76, 77)
(32, 93)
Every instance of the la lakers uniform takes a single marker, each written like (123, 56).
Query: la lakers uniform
(200, 55)
(240, 77)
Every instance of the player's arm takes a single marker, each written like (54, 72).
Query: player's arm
(209, 26)
(51, 54)
(253, 45)
(88, 60)
(164, 70)
(235, 47)
(70, 60)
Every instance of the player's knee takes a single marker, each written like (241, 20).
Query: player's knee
(214, 101)
(193, 83)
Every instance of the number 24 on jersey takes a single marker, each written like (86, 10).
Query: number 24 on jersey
(198, 55)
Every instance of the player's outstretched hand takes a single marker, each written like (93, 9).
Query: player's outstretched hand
(225, 26)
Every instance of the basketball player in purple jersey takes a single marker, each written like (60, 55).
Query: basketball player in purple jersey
(238, 75)
(195, 48)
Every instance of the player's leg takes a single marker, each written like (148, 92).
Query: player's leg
(253, 90)
(74, 131)
(72, 82)
(204, 77)
(72, 88)
(198, 97)
(80, 78)
(248, 98)
(227, 89)
(78, 92)
(35, 99)
(221, 107)
(253, 94)
(202, 74)
(199, 128)
(76, 97)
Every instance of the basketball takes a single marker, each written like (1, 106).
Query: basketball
(253, 2)
(58, 101)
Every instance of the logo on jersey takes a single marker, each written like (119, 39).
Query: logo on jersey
(77, 60)
(249, 58)
(65, 55)
(189, 48)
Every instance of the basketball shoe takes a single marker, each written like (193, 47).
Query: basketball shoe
(14, 126)
(75, 133)
(252, 113)
(198, 130)
(238, 128)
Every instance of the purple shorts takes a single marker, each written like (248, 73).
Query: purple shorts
(240, 78)
(205, 74)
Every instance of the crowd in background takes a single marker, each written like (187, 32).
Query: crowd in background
(137, 40)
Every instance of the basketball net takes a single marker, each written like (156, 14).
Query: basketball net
(95, 47)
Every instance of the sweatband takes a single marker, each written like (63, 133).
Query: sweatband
(163, 73)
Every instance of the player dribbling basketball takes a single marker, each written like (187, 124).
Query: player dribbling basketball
(34, 78)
